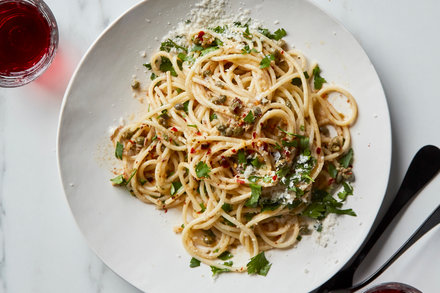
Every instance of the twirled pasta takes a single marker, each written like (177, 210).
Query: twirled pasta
(235, 97)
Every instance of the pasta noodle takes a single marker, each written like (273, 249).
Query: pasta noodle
(239, 133)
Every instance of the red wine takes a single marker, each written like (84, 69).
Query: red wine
(25, 37)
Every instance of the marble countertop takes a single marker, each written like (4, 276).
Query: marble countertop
(41, 248)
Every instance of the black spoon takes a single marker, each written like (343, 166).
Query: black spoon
(424, 166)
(431, 222)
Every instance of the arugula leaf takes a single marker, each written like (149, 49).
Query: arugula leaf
(258, 265)
(332, 170)
(255, 196)
(241, 157)
(216, 270)
(169, 44)
(346, 160)
(348, 190)
(147, 65)
(194, 263)
(213, 116)
(166, 65)
(249, 117)
(227, 207)
(202, 170)
(318, 80)
(119, 149)
(265, 62)
(225, 255)
(175, 186)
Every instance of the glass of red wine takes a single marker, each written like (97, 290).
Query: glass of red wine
(28, 41)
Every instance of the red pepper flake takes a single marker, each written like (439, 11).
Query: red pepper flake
(209, 151)
(192, 151)
(241, 181)
(274, 177)
(253, 144)
(174, 129)
(330, 181)
(199, 133)
(318, 150)
(244, 115)
(282, 52)
(254, 135)
(170, 140)
(200, 35)
(204, 146)
(234, 151)
(131, 141)
(224, 162)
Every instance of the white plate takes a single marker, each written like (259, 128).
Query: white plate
(136, 240)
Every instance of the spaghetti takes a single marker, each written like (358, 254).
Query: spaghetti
(241, 134)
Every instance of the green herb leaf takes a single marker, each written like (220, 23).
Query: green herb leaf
(293, 143)
(256, 163)
(166, 65)
(227, 222)
(192, 125)
(332, 170)
(249, 216)
(279, 34)
(348, 190)
(277, 146)
(227, 207)
(185, 107)
(228, 263)
(225, 255)
(249, 117)
(213, 116)
(197, 48)
(241, 157)
(169, 44)
(247, 34)
(147, 65)
(219, 29)
(258, 265)
(203, 208)
(255, 196)
(185, 57)
(202, 170)
(248, 50)
(119, 149)
(208, 50)
(175, 186)
(119, 180)
(216, 270)
(131, 176)
(194, 263)
(153, 76)
(318, 80)
(346, 160)
(267, 179)
(265, 62)
(253, 178)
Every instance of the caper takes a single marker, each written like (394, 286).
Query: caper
(219, 100)
(238, 130)
(229, 131)
(208, 237)
(257, 111)
(140, 140)
(221, 127)
(235, 106)
(162, 121)
(179, 106)
(135, 84)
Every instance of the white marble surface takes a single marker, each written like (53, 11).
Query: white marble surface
(43, 251)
